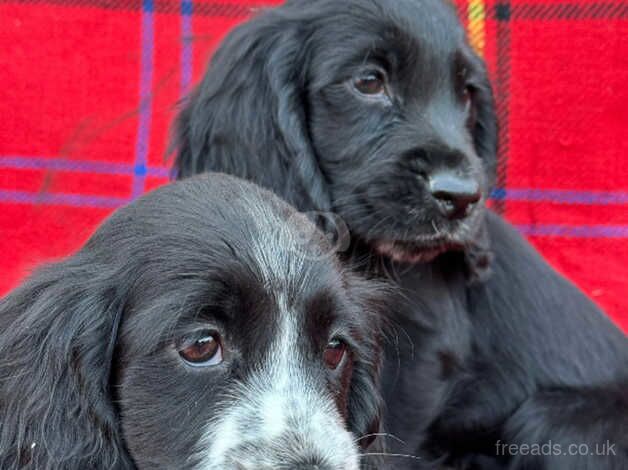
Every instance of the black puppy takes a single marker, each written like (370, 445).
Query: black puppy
(206, 326)
(382, 113)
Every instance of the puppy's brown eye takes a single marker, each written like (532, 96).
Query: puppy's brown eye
(201, 349)
(334, 353)
(371, 82)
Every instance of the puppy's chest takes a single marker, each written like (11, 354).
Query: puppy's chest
(439, 312)
(446, 345)
(433, 334)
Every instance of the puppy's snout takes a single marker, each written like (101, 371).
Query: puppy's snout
(454, 194)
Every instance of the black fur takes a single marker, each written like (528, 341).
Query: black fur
(90, 377)
(514, 353)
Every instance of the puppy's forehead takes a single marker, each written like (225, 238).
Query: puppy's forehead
(230, 250)
(434, 22)
(251, 227)
(287, 252)
(409, 33)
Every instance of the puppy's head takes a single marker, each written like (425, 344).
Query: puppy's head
(380, 110)
(198, 329)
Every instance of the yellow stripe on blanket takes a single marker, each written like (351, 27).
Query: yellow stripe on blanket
(477, 25)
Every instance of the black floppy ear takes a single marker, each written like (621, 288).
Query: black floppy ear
(57, 337)
(248, 116)
(485, 135)
(478, 255)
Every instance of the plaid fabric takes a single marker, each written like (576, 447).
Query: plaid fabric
(88, 88)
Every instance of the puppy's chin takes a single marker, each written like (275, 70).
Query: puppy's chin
(410, 253)
(425, 248)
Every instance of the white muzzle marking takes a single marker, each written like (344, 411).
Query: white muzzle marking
(279, 418)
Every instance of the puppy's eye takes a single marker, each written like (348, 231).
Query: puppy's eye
(370, 82)
(201, 349)
(334, 353)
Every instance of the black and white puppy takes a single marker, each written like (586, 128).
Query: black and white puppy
(205, 326)
(382, 113)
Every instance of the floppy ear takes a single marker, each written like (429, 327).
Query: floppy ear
(57, 337)
(248, 115)
(485, 129)
(478, 255)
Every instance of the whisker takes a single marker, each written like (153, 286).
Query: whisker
(386, 454)
(381, 434)
(435, 227)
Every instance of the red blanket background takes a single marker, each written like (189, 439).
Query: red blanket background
(88, 90)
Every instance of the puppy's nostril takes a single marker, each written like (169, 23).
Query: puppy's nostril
(455, 194)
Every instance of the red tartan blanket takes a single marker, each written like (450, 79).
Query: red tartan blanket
(88, 89)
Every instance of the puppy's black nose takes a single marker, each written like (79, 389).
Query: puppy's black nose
(454, 193)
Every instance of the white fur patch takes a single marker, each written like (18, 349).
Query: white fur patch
(280, 416)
